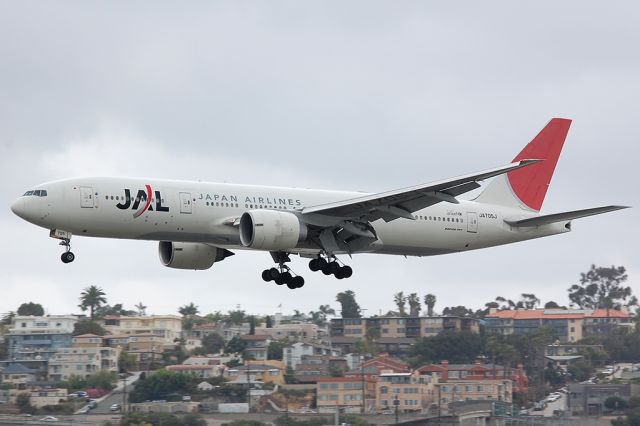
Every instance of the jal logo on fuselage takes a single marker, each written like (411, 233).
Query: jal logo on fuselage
(142, 201)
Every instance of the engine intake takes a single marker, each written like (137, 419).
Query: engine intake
(271, 230)
(196, 256)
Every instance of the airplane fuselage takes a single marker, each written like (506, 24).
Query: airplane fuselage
(201, 212)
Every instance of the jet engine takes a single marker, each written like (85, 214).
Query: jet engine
(197, 256)
(271, 230)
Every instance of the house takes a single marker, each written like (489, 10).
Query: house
(256, 346)
(18, 374)
(294, 331)
(202, 371)
(205, 386)
(313, 366)
(562, 355)
(258, 372)
(346, 393)
(478, 372)
(40, 397)
(294, 353)
(146, 348)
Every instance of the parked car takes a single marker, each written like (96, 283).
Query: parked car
(115, 407)
(92, 404)
(48, 419)
(186, 398)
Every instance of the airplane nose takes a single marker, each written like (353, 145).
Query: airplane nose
(18, 207)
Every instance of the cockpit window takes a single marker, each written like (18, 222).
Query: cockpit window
(36, 193)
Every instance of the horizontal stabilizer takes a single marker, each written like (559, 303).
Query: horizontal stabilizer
(561, 217)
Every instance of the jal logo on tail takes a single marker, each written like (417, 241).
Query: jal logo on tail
(142, 201)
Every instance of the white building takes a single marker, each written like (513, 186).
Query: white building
(292, 354)
(167, 327)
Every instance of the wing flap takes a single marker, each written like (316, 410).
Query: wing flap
(561, 217)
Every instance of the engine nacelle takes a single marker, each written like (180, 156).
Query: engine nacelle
(271, 230)
(196, 256)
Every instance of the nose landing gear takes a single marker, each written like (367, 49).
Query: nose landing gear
(67, 256)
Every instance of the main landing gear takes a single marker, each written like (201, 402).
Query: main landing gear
(282, 274)
(330, 267)
(67, 256)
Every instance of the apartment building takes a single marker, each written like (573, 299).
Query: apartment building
(588, 398)
(397, 334)
(410, 392)
(468, 390)
(569, 325)
(40, 397)
(167, 327)
(478, 371)
(311, 367)
(82, 362)
(33, 340)
(295, 331)
(146, 348)
(346, 393)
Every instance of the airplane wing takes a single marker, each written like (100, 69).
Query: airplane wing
(561, 217)
(401, 203)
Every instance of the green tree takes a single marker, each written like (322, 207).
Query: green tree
(350, 308)
(88, 327)
(212, 343)
(415, 306)
(115, 310)
(268, 322)
(457, 311)
(7, 318)
(31, 308)
(400, 300)
(235, 345)
(126, 362)
(103, 379)
(275, 350)
(553, 305)
(528, 301)
(92, 298)
(430, 301)
(455, 347)
(616, 403)
(602, 288)
(252, 325)
(159, 385)
(188, 310)
(23, 401)
(236, 317)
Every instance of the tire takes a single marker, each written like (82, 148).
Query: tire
(274, 273)
(298, 281)
(346, 271)
(291, 285)
(339, 275)
(314, 265)
(333, 267)
(68, 257)
(322, 262)
(326, 270)
(279, 280)
(63, 257)
(286, 277)
(266, 275)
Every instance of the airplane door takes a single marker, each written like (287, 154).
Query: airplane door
(472, 222)
(86, 197)
(185, 202)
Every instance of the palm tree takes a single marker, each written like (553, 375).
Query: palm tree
(399, 299)
(188, 310)
(92, 298)
(430, 301)
(142, 310)
(414, 305)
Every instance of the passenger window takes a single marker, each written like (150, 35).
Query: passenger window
(36, 192)
(43, 193)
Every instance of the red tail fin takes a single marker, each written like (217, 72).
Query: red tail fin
(530, 183)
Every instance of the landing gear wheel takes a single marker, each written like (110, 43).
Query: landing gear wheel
(266, 275)
(273, 273)
(322, 262)
(345, 272)
(333, 267)
(67, 257)
(314, 265)
(286, 277)
(297, 281)
(279, 280)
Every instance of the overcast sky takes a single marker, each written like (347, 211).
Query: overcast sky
(356, 95)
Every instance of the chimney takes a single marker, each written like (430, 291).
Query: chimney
(445, 367)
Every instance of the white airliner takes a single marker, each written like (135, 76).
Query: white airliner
(198, 223)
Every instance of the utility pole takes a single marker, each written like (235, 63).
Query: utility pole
(362, 378)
